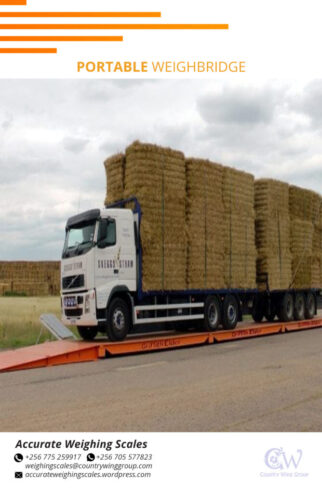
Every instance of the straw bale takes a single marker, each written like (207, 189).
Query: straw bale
(204, 222)
(114, 169)
(272, 225)
(156, 176)
(31, 278)
(306, 237)
(239, 229)
(304, 204)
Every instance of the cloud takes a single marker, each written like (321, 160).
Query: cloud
(242, 106)
(74, 144)
(310, 102)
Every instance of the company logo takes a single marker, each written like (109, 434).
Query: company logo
(277, 459)
(281, 463)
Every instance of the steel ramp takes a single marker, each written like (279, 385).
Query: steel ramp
(71, 351)
(56, 327)
(49, 354)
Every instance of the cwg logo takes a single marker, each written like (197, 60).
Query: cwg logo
(277, 459)
(283, 464)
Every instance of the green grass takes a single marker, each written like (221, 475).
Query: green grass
(19, 319)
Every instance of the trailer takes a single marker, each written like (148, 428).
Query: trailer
(102, 291)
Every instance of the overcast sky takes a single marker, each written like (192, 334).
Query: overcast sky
(55, 135)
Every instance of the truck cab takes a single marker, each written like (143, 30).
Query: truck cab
(98, 261)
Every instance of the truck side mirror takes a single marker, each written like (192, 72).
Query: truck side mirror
(102, 232)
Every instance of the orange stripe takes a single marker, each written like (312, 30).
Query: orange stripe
(28, 50)
(113, 26)
(80, 14)
(13, 2)
(61, 38)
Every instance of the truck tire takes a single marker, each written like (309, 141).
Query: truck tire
(87, 333)
(286, 308)
(299, 306)
(212, 313)
(309, 305)
(270, 311)
(118, 320)
(258, 310)
(230, 312)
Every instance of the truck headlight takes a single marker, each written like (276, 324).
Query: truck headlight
(87, 304)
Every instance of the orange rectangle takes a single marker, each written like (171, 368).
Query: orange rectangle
(61, 38)
(28, 50)
(13, 2)
(113, 26)
(80, 14)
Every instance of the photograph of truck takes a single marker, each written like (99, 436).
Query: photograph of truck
(161, 256)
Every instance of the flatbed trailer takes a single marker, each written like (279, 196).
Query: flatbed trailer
(102, 288)
(71, 351)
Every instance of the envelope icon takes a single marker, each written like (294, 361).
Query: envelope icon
(18, 475)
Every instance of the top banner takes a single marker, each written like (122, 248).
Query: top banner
(160, 39)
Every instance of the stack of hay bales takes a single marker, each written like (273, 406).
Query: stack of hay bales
(239, 230)
(317, 244)
(4, 288)
(304, 207)
(114, 169)
(272, 225)
(156, 176)
(205, 224)
(30, 278)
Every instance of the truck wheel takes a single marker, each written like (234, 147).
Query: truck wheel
(270, 311)
(299, 306)
(118, 320)
(309, 306)
(212, 313)
(87, 333)
(258, 310)
(286, 309)
(230, 312)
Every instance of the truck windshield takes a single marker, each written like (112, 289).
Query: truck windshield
(79, 239)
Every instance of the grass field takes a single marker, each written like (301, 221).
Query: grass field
(19, 319)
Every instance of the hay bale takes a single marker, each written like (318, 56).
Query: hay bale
(304, 204)
(156, 176)
(239, 229)
(317, 248)
(4, 288)
(204, 223)
(272, 225)
(31, 278)
(114, 169)
(306, 239)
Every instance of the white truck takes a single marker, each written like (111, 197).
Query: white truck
(101, 284)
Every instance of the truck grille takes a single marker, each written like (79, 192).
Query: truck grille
(76, 312)
(77, 283)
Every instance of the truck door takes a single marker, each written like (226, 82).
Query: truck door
(107, 253)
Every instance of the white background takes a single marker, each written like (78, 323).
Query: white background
(277, 39)
(204, 462)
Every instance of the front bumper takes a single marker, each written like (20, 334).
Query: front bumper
(79, 308)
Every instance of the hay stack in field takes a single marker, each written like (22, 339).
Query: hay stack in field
(114, 169)
(205, 224)
(304, 207)
(4, 288)
(272, 226)
(156, 176)
(239, 229)
(31, 278)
